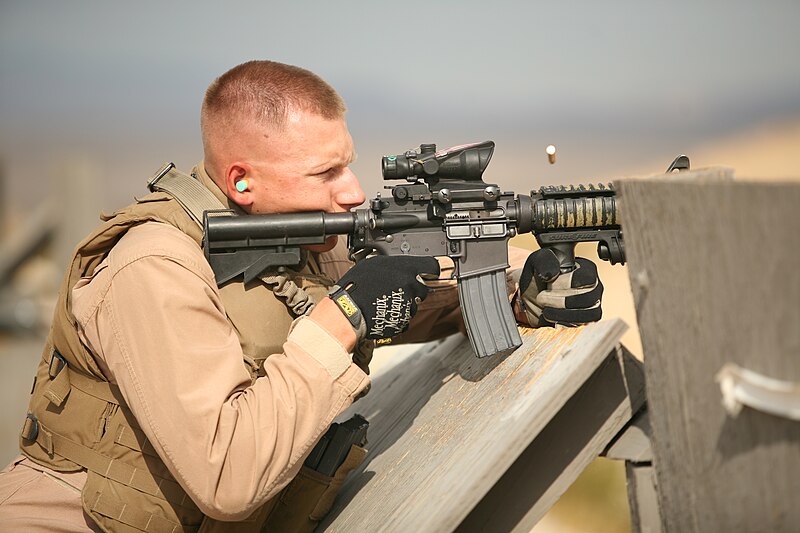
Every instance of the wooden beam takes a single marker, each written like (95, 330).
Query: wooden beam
(632, 445)
(563, 449)
(643, 498)
(715, 274)
(445, 426)
(633, 442)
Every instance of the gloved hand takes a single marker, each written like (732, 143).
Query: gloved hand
(379, 295)
(569, 299)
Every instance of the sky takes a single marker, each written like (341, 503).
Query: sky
(117, 86)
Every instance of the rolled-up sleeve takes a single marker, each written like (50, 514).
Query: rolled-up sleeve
(153, 317)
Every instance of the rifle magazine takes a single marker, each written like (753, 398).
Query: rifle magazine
(489, 319)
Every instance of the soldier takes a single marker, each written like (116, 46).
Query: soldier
(165, 403)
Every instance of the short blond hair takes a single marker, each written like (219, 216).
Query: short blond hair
(265, 92)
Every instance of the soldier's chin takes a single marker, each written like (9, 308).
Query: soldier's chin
(330, 242)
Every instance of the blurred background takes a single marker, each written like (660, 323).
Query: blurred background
(95, 96)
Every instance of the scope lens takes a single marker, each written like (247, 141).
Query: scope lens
(389, 166)
(395, 167)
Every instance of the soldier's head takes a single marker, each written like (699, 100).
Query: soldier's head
(276, 140)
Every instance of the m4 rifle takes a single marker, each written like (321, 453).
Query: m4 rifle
(444, 208)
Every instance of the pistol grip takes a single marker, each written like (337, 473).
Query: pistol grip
(490, 322)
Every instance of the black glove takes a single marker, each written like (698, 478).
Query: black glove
(379, 295)
(569, 299)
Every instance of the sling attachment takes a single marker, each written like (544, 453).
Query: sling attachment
(296, 298)
(190, 193)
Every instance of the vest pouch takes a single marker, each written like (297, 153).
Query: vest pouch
(120, 508)
(310, 496)
(129, 489)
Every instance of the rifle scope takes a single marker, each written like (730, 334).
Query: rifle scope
(466, 162)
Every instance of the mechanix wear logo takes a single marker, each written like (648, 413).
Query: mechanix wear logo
(346, 305)
(392, 314)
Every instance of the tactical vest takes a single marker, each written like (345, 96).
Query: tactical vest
(77, 420)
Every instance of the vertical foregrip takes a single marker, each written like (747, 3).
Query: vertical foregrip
(488, 316)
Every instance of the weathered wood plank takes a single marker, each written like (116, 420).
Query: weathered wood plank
(715, 271)
(563, 449)
(643, 498)
(445, 426)
(633, 444)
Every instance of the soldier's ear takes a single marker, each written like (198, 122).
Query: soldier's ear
(238, 184)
